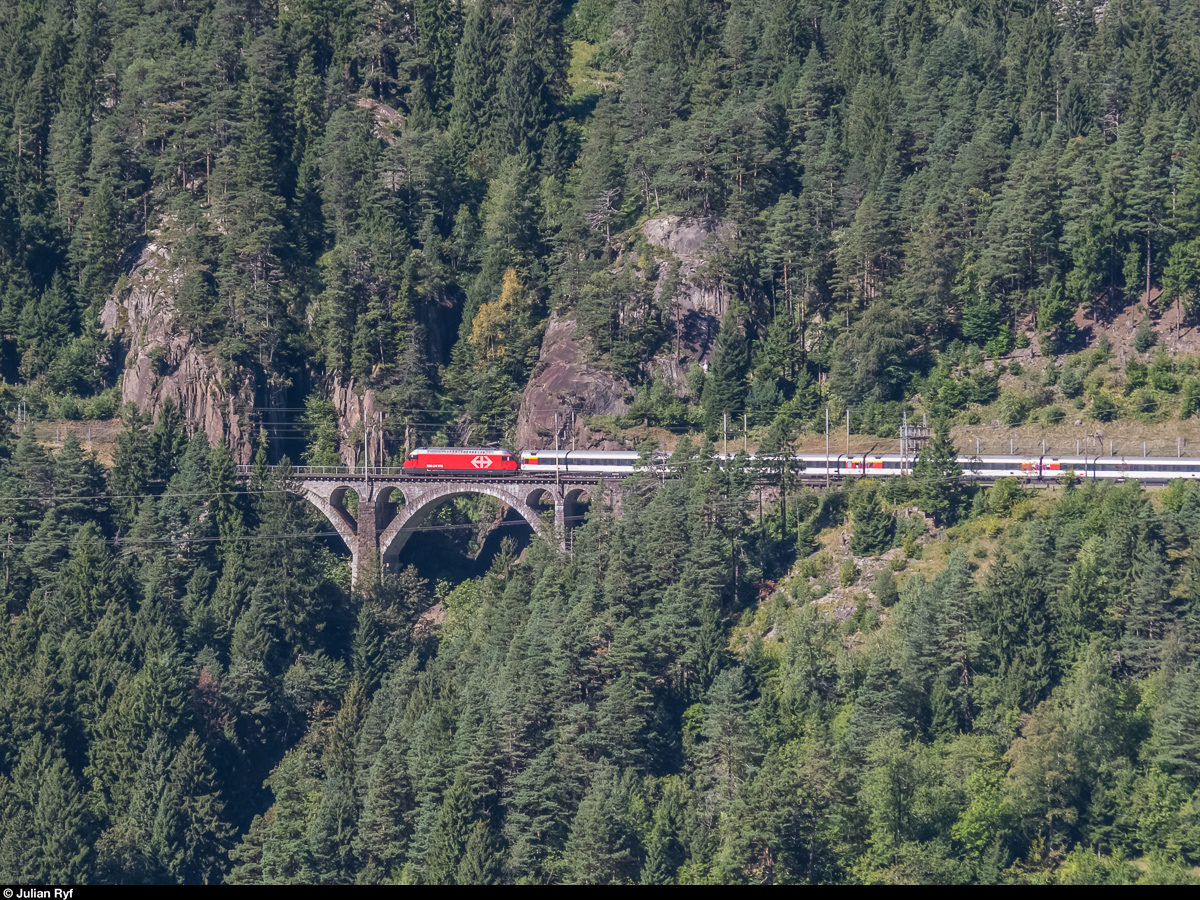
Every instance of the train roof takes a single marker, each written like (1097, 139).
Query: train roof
(460, 450)
(590, 454)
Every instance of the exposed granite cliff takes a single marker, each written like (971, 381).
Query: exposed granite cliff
(163, 360)
(564, 382)
(699, 301)
(356, 409)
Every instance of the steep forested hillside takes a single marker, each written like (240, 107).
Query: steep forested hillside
(1017, 698)
(245, 218)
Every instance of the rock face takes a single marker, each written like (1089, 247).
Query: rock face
(357, 411)
(565, 384)
(699, 302)
(162, 360)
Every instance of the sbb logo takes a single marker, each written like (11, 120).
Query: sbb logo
(482, 462)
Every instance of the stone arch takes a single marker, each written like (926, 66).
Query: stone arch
(573, 507)
(337, 503)
(541, 500)
(533, 496)
(421, 500)
(329, 499)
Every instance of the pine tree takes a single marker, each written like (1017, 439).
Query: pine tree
(384, 826)
(331, 833)
(45, 325)
(534, 81)
(1149, 614)
(189, 832)
(438, 31)
(168, 439)
(256, 215)
(729, 756)
(451, 834)
(883, 705)
(939, 476)
(600, 849)
(62, 828)
(665, 852)
(89, 581)
(480, 861)
(725, 387)
(477, 70)
(1176, 738)
(873, 526)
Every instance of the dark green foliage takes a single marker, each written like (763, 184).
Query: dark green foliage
(885, 588)
(872, 360)
(873, 526)
(939, 476)
(724, 394)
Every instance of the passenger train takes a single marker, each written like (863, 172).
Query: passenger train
(498, 462)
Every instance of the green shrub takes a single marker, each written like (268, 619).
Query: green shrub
(68, 407)
(104, 405)
(1071, 382)
(1053, 415)
(1145, 405)
(1144, 338)
(1104, 407)
(1001, 344)
(1004, 495)
(1161, 376)
(1191, 398)
(865, 617)
(1135, 375)
(1014, 406)
(885, 588)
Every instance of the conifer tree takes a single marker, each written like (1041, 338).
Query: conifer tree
(190, 833)
(480, 861)
(873, 526)
(1149, 613)
(725, 386)
(939, 476)
(534, 80)
(664, 851)
(882, 706)
(600, 848)
(451, 834)
(477, 69)
(1176, 738)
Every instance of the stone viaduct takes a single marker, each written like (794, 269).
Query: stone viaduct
(392, 506)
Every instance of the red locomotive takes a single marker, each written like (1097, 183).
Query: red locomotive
(475, 460)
